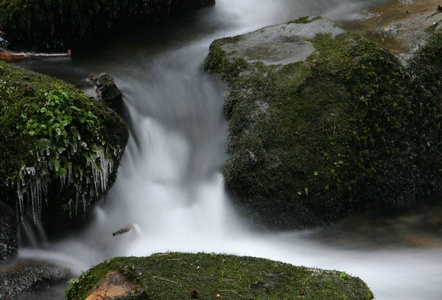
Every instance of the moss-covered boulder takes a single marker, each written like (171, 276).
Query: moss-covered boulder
(59, 150)
(322, 122)
(212, 276)
(60, 24)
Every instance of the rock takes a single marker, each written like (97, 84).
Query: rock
(58, 26)
(108, 91)
(8, 232)
(325, 125)
(26, 276)
(209, 276)
(401, 26)
(4, 44)
(59, 150)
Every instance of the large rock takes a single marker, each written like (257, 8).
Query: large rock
(322, 122)
(27, 276)
(59, 150)
(211, 276)
(61, 24)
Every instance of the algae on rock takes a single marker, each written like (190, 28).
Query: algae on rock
(59, 150)
(313, 138)
(209, 276)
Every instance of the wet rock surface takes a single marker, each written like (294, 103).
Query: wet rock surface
(8, 232)
(401, 26)
(281, 45)
(107, 90)
(418, 226)
(25, 276)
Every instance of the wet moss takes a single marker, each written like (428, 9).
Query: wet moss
(343, 130)
(213, 276)
(305, 20)
(59, 150)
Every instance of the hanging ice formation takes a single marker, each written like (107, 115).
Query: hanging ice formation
(87, 180)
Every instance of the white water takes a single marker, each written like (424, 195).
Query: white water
(169, 188)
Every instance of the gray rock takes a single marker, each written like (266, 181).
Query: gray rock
(281, 44)
(107, 90)
(26, 276)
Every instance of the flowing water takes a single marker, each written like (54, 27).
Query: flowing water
(169, 188)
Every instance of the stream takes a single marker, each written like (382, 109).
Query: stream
(170, 189)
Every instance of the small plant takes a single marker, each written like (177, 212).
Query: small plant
(344, 276)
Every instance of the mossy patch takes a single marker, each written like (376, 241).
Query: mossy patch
(59, 150)
(305, 20)
(217, 276)
(345, 129)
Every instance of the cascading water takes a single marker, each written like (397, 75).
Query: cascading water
(170, 191)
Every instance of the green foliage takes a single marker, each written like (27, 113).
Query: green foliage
(346, 129)
(55, 144)
(173, 275)
(58, 24)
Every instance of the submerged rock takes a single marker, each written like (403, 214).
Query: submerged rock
(26, 276)
(61, 24)
(59, 150)
(322, 122)
(209, 276)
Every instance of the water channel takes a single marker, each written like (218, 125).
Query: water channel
(170, 189)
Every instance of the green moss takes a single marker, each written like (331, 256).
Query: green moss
(173, 275)
(346, 129)
(305, 20)
(59, 149)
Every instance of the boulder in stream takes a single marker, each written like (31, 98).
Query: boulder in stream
(59, 150)
(211, 276)
(322, 121)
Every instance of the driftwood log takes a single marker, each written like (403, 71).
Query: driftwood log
(12, 56)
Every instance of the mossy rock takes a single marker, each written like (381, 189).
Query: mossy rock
(59, 150)
(214, 276)
(61, 24)
(322, 122)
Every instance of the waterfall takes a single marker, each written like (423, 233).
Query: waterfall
(170, 194)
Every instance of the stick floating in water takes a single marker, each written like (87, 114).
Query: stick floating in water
(122, 230)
